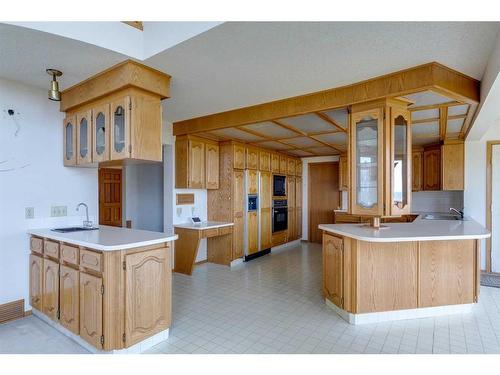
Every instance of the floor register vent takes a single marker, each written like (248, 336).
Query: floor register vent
(11, 310)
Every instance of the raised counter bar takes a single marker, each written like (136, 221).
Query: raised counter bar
(405, 270)
(109, 289)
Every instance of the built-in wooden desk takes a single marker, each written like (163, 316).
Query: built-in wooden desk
(219, 237)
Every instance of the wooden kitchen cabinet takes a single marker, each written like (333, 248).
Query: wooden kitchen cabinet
(343, 173)
(212, 165)
(283, 164)
(69, 298)
(50, 289)
(252, 182)
(253, 232)
(432, 168)
(252, 157)
(291, 166)
(333, 267)
(292, 230)
(239, 156)
(69, 140)
(264, 161)
(298, 207)
(100, 133)
(153, 314)
(265, 210)
(452, 160)
(238, 209)
(91, 309)
(36, 280)
(197, 163)
(417, 170)
(84, 137)
(275, 163)
(118, 115)
(298, 167)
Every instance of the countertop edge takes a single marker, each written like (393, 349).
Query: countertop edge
(406, 239)
(94, 246)
(194, 227)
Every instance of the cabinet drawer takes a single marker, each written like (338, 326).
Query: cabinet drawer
(51, 249)
(91, 260)
(69, 254)
(213, 232)
(225, 230)
(36, 245)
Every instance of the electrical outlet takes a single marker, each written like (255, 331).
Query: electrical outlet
(29, 212)
(57, 211)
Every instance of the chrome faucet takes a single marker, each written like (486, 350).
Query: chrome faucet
(86, 223)
(458, 212)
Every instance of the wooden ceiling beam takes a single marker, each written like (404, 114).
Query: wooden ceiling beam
(330, 121)
(443, 122)
(434, 106)
(289, 127)
(431, 76)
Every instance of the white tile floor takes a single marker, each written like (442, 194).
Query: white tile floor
(274, 305)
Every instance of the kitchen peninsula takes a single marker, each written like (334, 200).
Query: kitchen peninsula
(401, 270)
(108, 289)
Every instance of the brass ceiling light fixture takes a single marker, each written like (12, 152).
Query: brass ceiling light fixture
(54, 93)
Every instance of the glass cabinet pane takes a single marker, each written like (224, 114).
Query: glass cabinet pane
(100, 134)
(84, 144)
(69, 141)
(119, 130)
(400, 167)
(367, 162)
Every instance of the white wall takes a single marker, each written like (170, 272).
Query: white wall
(475, 181)
(305, 189)
(43, 182)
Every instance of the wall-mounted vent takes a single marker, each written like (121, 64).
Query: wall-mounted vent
(11, 310)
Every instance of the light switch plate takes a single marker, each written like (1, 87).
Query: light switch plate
(29, 212)
(57, 211)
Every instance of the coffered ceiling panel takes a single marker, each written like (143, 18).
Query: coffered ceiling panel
(303, 142)
(454, 126)
(309, 123)
(339, 138)
(270, 129)
(429, 113)
(340, 116)
(427, 128)
(274, 145)
(234, 133)
(458, 110)
(426, 98)
(323, 151)
(300, 153)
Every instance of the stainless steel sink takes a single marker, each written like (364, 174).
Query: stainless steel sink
(442, 217)
(73, 229)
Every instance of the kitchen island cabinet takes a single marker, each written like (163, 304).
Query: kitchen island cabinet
(107, 289)
(402, 271)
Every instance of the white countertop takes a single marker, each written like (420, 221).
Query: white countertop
(203, 225)
(418, 230)
(108, 238)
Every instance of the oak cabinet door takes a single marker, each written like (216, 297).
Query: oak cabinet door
(253, 185)
(333, 269)
(283, 164)
(298, 212)
(343, 173)
(238, 235)
(452, 156)
(264, 161)
(69, 141)
(36, 280)
(69, 285)
(100, 133)
(252, 158)
(148, 283)
(84, 137)
(253, 232)
(266, 240)
(120, 128)
(238, 209)
(50, 295)
(91, 309)
(298, 168)
(212, 165)
(275, 163)
(239, 156)
(417, 176)
(432, 169)
(196, 166)
(291, 167)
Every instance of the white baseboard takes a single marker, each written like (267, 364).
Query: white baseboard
(387, 316)
(134, 349)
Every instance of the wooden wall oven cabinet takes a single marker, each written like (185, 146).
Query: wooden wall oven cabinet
(114, 116)
(111, 299)
(380, 157)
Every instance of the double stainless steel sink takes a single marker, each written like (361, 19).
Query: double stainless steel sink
(442, 217)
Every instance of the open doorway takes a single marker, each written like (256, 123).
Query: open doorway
(110, 197)
(323, 196)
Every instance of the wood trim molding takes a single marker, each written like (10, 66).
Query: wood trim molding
(489, 186)
(135, 24)
(431, 76)
(126, 74)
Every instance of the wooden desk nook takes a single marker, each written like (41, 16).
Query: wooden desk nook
(219, 237)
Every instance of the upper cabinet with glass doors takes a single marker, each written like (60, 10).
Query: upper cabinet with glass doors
(379, 146)
(114, 116)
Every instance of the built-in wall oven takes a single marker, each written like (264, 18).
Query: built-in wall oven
(280, 215)
(279, 186)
